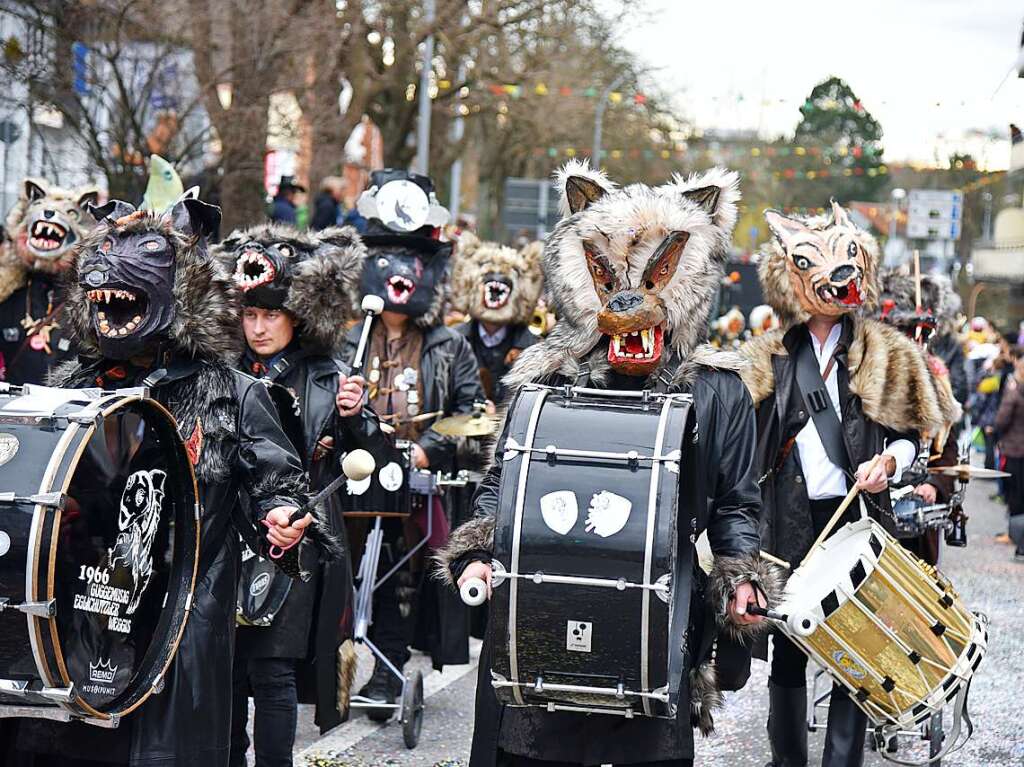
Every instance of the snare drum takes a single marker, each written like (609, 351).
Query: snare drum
(586, 548)
(99, 536)
(386, 492)
(885, 625)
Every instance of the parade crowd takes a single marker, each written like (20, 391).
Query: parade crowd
(282, 352)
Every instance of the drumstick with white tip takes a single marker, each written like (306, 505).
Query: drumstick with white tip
(372, 306)
(473, 592)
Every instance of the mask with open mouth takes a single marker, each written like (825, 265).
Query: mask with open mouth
(128, 277)
(496, 283)
(407, 278)
(48, 222)
(819, 266)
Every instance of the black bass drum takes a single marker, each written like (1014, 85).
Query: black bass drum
(591, 532)
(99, 540)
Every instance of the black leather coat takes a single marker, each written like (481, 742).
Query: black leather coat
(786, 527)
(317, 615)
(23, 363)
(188, 723)
(726, 440)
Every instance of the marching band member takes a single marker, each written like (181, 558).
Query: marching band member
(418, 370)
(497, 288)
(297, 295)
(151, 307)
(632, 273)
(43, 227)
(840, 399)
(898, 305)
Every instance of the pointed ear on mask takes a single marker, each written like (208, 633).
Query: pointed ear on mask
(111, 209)
(705, 198)
(581, 192)
(839, 215)
(35, 189)
(783, 227)
(194, 217)
(87, 198)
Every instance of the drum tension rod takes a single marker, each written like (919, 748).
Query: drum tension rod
(53, 500)
(39, 609)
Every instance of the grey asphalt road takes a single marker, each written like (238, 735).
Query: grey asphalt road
(984, 573)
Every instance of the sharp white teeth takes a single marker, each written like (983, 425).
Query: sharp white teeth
(137, 318)
(646, 339)
(130, 326)
(106, 296)
(101, 315)
(617, 343)
(122, 332)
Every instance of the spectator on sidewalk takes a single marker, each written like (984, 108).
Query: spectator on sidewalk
(1009, 423)
(327, 210)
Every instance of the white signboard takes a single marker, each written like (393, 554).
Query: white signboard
(934, 214)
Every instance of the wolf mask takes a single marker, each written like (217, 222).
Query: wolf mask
(314, 276)
(818, 266)
(144, 278)
(495, 283)
(47, 222)
(636, 267)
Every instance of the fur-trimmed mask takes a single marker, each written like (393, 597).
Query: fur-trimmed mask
(128, 276)
(818, 266)
(495, 283)
(898, 302)
(48, 221)
(314, 276)
(409, 272)
(638, 266)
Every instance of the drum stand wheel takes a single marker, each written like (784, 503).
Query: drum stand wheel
(411, 713)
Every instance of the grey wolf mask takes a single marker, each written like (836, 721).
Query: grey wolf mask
(154, 282)
(636, 267)
(820, 266)
(898, 302)
(495, 283)
(314, 276)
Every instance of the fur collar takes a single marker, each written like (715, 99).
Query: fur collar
(888, 372)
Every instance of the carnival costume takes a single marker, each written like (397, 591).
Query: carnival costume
(497, 288)
(43, 228)
(632, 273)
(314, 278)
(151, 307)
(874, 379)
(427, 373)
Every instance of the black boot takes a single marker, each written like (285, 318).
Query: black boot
(383, 687)
(787, 725)
(847, 727)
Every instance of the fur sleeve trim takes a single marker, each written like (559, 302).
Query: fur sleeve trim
(707, 356)
(728, 573)
(705, 697)
(475, 535)
(279, 489)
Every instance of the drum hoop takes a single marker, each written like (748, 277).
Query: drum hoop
(80, 705)
(653, 493)
(517, 531)
(34, 554)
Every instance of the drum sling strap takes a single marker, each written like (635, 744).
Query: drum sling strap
(952, 742)
(811, 383)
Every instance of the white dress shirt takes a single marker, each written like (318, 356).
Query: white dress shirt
(492, 339)
(824, 479)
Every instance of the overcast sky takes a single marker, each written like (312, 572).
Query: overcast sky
(926, 69)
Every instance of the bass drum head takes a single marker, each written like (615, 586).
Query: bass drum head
(126, 557)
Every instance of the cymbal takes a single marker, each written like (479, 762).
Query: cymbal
(970, 472)
(470, 425)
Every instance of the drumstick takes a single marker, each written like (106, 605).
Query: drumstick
(775, 560)
(850, 496)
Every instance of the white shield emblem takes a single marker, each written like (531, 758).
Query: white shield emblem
(560, 510)
(608, 513)
(391, 477)
(8, 447)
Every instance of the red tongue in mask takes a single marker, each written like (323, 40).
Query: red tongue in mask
(852, 297)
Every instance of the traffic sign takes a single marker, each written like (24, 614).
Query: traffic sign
(934, 214)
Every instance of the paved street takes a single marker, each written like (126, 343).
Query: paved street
(984, 573)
